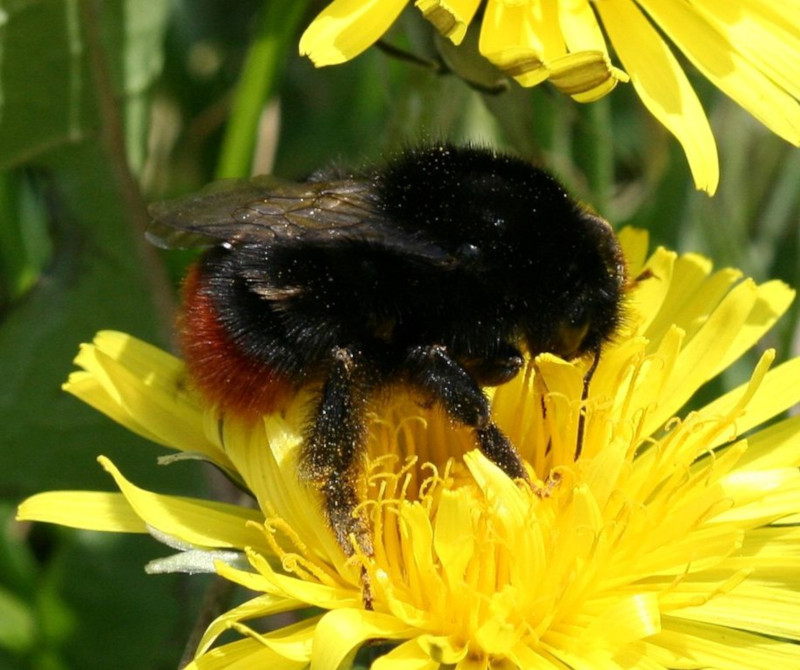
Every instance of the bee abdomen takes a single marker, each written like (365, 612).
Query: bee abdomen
(225, 375)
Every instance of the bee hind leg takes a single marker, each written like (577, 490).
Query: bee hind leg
(333, 454)
(441, 377)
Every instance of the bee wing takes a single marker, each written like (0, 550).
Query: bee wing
(264, 208)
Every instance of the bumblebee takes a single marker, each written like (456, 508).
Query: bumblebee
(436, 271)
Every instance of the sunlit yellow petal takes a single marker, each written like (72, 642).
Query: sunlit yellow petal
(244, 655)
(761, 610)
(765, 32)
(711, 52)
(520, 38)
(773, 299)
(719, 647)
(293, 642)
(634, 243)
(662, 86)
(345, 28)
(406, 656)
(340, 632)
(775, 446)
(636, 617)
(315, 590)
(260, 606)
(453, 539)
(108, 512)
(778, 392)
(522, 25)
(700, 356)
(198, 522)
(690, 293)
(579, 26)
(144, 389)
(266, 459)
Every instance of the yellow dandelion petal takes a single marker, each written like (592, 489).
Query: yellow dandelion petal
(636, 617)
(662, 85)
(738, 76)
(586, 73)
(108, 512)
(204, 524)
(260, 606)
(522, 25)
(345, 28)
(450, 17)
(708, 321)
(773, 299)
(292, 643)
(144, 389)
(778, 392)
(340, 632)
(690, 644)
(646, 303)
(406, 656)
(310, 588)
(201, 523)
(762, 610)
(764, 32)
(254, 581)
(244, 655)
(700, 356)
(453, 539)
(520, 38)
(579, 26)
(264, 472)
(635, 246)
(689, 293)
(774, 446)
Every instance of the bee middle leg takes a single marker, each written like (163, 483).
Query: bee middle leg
(332, 458)
(433, 370)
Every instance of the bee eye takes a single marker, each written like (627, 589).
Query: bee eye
(468, 252)
(578, 316)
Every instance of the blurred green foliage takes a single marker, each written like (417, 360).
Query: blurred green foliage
(107, 105)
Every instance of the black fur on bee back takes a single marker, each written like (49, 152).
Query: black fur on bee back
(463, 248)
(529, 262)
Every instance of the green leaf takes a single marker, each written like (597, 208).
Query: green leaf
(53, 107)
(17, 626)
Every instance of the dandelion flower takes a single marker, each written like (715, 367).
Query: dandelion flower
(670, 541)
(749, 49)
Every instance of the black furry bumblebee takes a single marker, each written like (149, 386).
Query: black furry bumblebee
(435, 271)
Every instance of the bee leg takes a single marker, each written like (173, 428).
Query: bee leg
(503, 367)
(440, 376)
(333, 456)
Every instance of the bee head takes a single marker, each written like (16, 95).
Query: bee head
(552, 270)
(582, 309)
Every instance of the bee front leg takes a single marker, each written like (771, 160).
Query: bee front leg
(441, 377)
(333, 455)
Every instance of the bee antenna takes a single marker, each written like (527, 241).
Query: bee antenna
(587, 378)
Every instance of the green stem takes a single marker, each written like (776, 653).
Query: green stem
(601, 163)
(257, 82)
